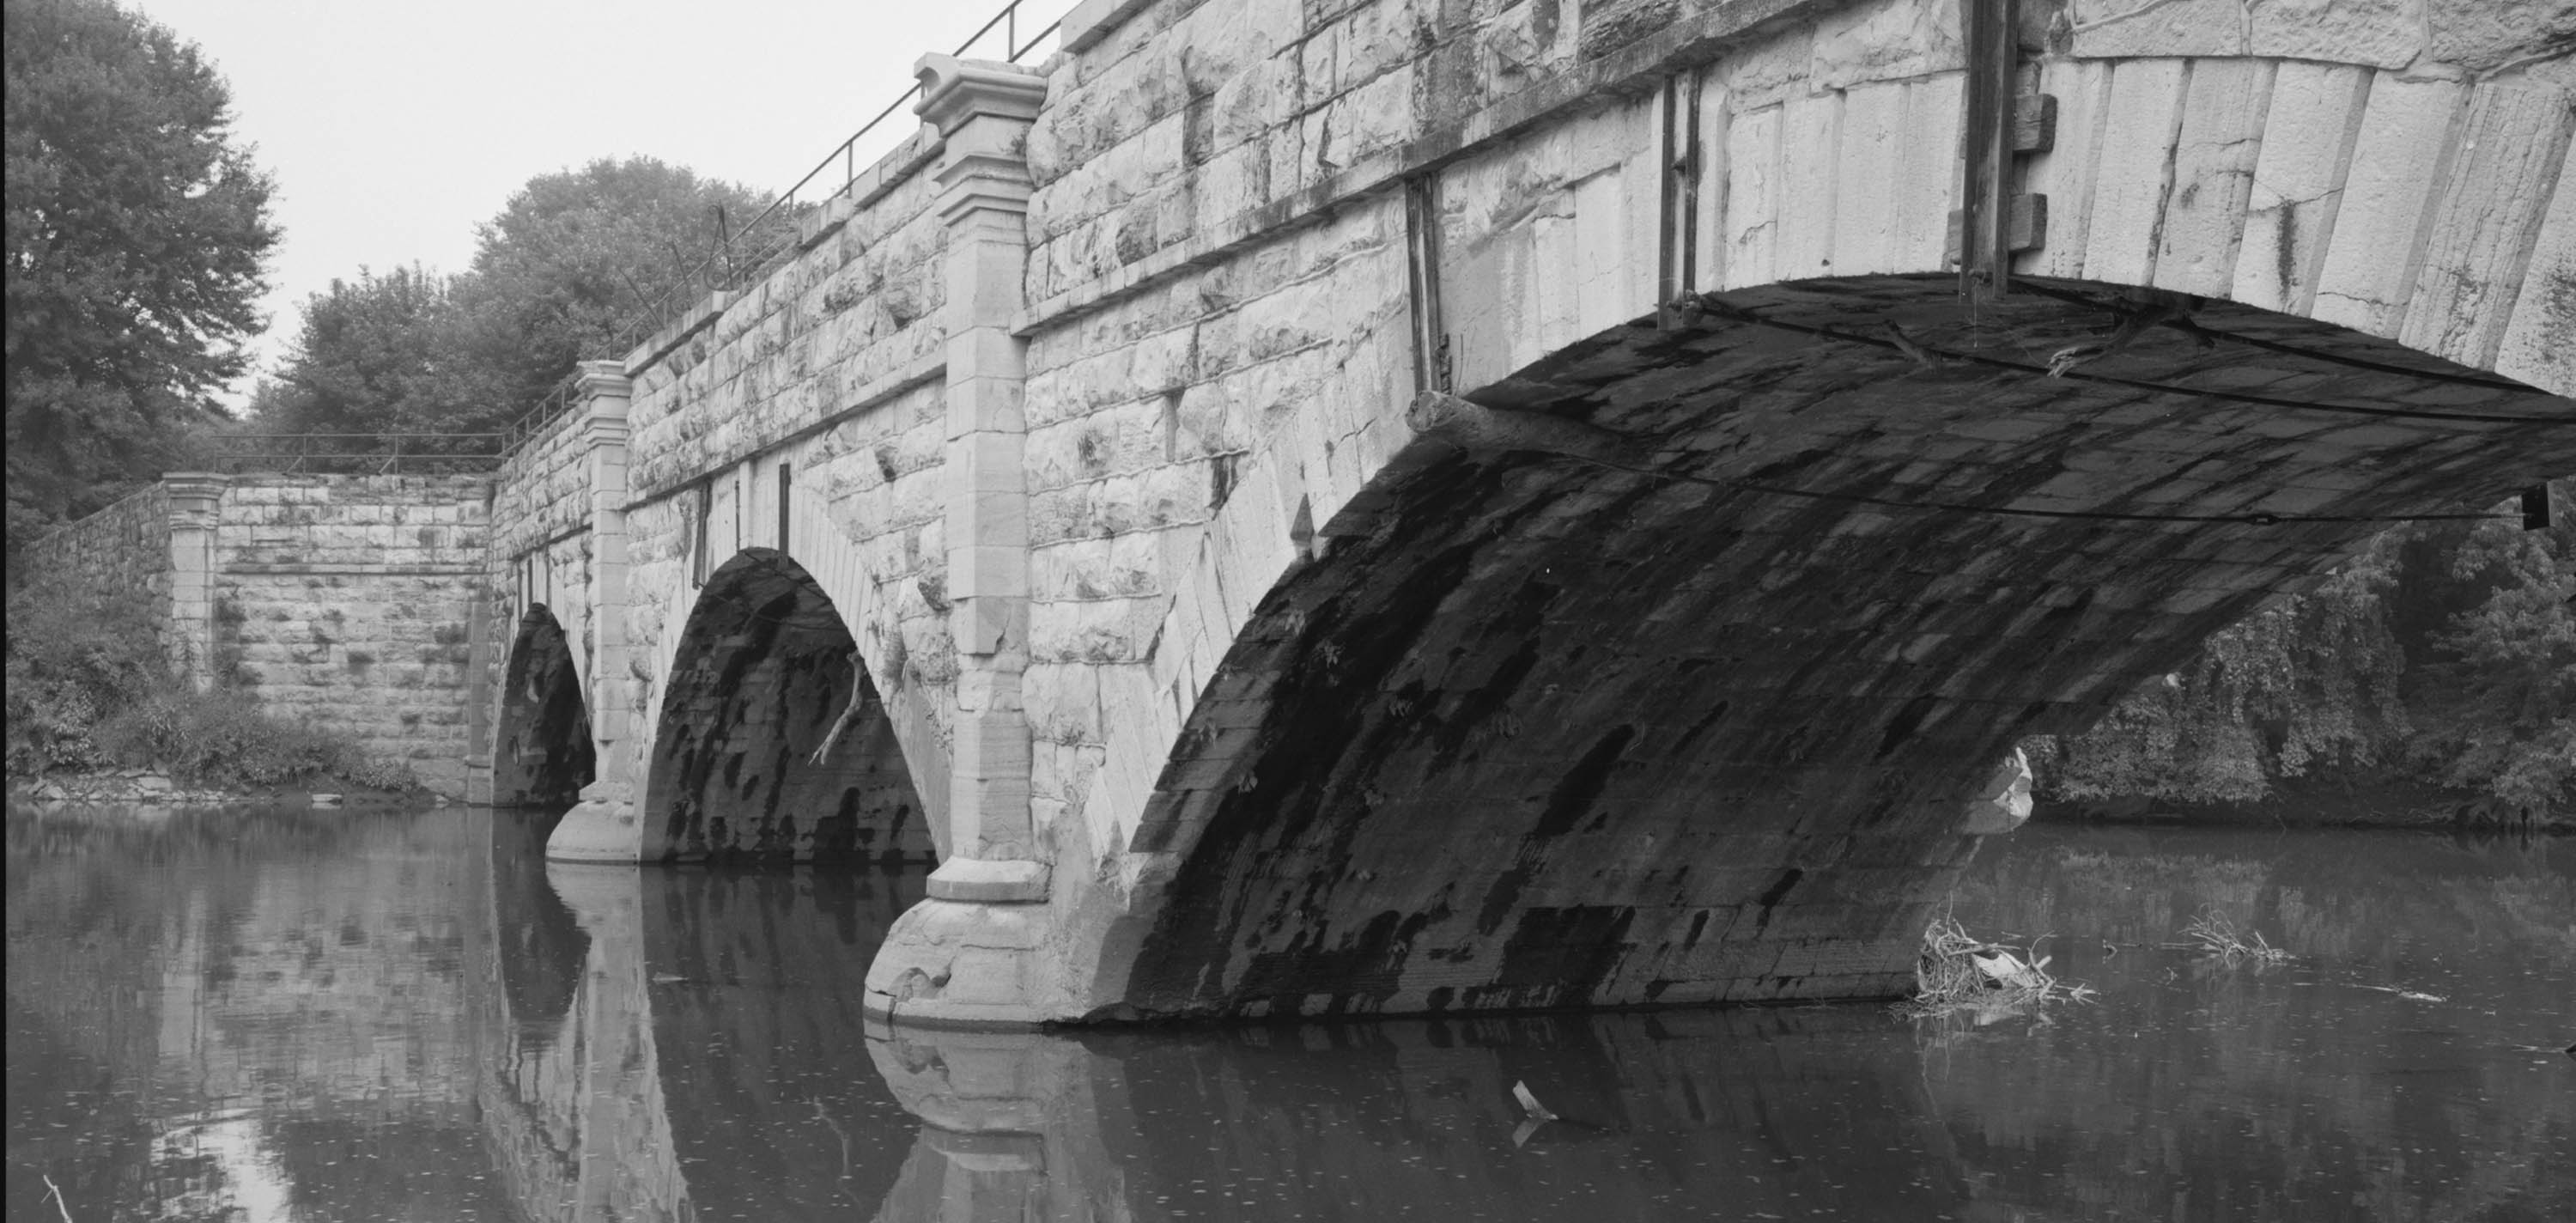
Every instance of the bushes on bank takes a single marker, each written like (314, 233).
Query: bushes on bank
(2444, 654)
(89, 687)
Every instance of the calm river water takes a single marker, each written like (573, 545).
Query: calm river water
(350, 1016)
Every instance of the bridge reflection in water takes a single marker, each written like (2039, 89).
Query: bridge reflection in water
(708, 1056)
(336, 1016)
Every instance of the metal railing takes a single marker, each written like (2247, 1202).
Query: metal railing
(744, 254)
(350, 453)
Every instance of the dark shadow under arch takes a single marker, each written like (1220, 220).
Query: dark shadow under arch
(1700, 723)
(764, 672)
(543, 755)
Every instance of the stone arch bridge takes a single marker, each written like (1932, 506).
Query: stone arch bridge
(1331, 506)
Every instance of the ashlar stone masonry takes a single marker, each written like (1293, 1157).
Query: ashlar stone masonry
(1376, 506)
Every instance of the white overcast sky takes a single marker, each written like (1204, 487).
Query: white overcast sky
(392, 128)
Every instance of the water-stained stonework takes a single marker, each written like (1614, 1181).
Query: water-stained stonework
(542, 755)
(774, 743)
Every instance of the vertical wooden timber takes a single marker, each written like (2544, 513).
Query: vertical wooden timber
(1985, 254)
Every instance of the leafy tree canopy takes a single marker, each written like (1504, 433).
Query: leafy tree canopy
(572, 268)
(136, 232)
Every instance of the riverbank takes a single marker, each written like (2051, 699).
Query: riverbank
(2310, 802)
(124, 786)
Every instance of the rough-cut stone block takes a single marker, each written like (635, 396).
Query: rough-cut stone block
(2512, 148)
(2213, 173)
(2133, 169)
(1870, 179)
(2298, 181)
(2485, 35)
(2393, 182)
(2119, 29)
(2375, 33)
(1885, 42)
(2539, 343)
(1812, 128)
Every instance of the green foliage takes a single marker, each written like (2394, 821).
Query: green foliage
(2309, 681)
(378, 354)
(2444, 651)
(77, 652)
(575, 262)
(88, 687)
(578, 258)
(2502, 691)
(136, 231)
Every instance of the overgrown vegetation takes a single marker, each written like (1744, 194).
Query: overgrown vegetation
(88, 688)
(2445, 653)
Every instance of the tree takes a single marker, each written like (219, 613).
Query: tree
(578, 264)
(2311, 681)
(381, 354)
(575, 266)
(2446, 651)
(2500, 691)
(136, 235)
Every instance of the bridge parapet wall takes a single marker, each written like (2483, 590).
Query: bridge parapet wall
(123, 547)
(542, 492)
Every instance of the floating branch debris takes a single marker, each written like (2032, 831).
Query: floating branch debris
(1956, 972)
(2216, 934)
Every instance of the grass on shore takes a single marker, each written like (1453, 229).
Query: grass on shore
(88, 689)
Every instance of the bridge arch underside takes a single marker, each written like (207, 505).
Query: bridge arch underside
(545, 753)
(1703, 724)
(764, 674)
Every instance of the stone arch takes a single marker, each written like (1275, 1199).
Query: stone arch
(1684, 703)
(2455, 266)
(760, 674)
(543, 752)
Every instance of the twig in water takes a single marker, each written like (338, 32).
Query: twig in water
(2217, 935)
(56, 1192)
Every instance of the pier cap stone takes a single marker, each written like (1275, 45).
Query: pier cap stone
(954, 90)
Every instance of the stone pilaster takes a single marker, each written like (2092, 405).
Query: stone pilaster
(970, 954)
(195, 501)
(605, 394)
(983, 112)
(603, 826)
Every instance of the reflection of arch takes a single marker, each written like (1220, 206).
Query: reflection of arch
(541, 943)
(761, 675)
(543, 754)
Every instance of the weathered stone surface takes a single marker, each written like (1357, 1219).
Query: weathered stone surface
(2115, 29)
(2377, 33)
(2486, 35)
(1260, 607)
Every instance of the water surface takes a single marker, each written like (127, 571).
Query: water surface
(408, 1015)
